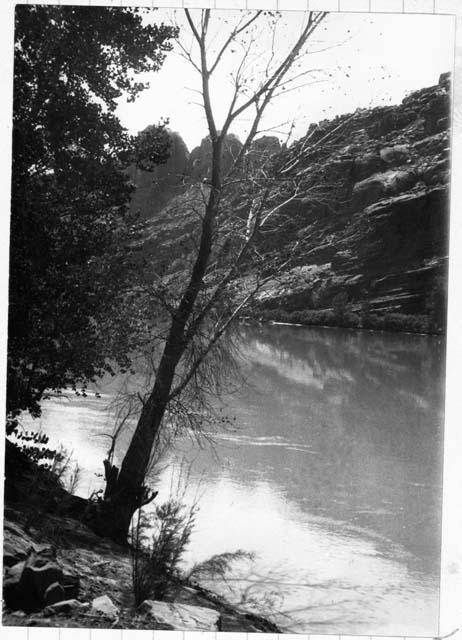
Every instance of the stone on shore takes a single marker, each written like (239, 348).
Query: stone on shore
(104, 605)
(180, 616)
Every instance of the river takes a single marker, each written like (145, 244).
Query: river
(331, 474)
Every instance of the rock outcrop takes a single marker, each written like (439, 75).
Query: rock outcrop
(36, 581)
(181, 616)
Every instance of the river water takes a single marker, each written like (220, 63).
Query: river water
(331, 475)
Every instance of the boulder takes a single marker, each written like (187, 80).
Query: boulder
(104, 605)
(35, 580)
(388, 183)
(19, 592)
(181, 616)
(396, 155)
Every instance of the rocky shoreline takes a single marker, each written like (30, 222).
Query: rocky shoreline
(58, 573)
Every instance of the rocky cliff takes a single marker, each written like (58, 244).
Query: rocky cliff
(367, 230)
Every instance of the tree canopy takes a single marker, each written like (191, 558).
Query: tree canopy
(70, 227)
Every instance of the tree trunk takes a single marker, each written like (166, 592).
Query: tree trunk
(125, 489)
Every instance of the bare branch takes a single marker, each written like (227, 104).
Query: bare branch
(275, 79)
(232, 37)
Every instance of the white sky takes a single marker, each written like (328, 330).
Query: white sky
(385, 56)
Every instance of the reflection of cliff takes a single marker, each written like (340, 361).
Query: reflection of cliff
(388, 377)
(366, 409)
(365, 359)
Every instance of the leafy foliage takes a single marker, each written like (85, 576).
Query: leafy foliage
(152, 147)
(70, 261)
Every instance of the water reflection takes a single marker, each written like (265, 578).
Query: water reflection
(334, 474)
(360, 416)
(333, 477)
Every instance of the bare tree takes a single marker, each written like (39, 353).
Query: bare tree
(204, 302)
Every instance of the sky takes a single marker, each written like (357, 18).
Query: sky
(362, 60)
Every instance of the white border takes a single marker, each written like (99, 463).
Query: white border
(451, 562)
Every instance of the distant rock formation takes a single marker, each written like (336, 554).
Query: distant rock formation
(200, 160)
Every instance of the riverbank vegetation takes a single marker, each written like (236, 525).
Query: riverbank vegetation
(354, 320)
(70, 262)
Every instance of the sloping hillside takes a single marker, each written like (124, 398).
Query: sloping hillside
(367, 232)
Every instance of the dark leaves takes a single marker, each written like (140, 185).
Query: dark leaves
(70, 227)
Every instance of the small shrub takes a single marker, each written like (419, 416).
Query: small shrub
(155, 564)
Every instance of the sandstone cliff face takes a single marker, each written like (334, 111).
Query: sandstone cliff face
(200, 161)
(367, 231)
(370, 221)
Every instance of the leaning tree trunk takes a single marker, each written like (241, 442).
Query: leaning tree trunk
(125, 488)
